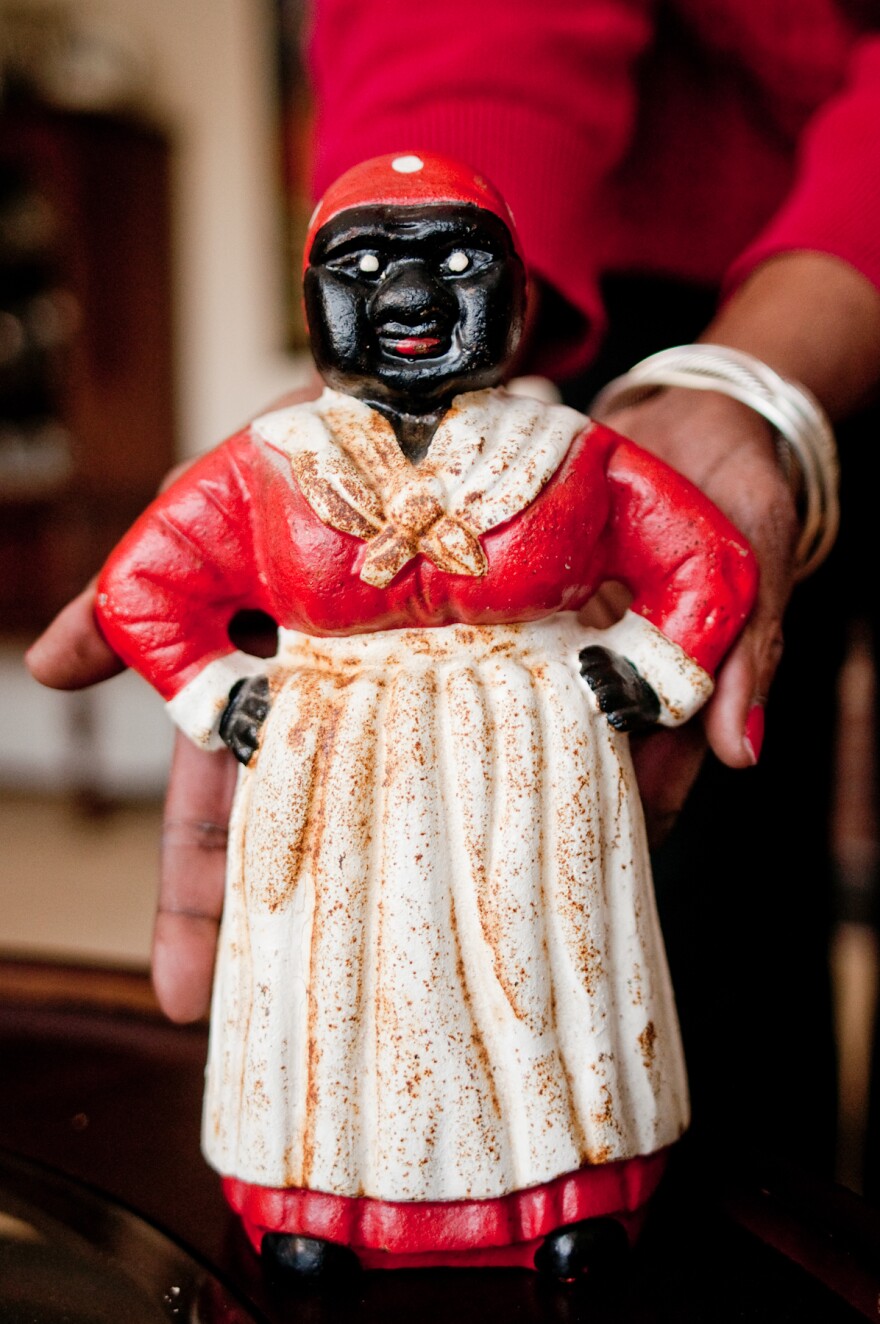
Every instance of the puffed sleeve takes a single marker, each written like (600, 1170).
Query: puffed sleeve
(170, 589)
(539, 94)
(834, 204)
(692, 575)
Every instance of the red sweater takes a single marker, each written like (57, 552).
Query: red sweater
(693, 141)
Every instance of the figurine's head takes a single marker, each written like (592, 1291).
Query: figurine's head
(414, 284)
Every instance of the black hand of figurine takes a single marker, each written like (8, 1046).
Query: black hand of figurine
(626, 699)
(244, 716)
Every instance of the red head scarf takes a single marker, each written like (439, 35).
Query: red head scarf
(408, 179)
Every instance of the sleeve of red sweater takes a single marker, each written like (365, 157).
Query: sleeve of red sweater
(470, 80)
(834, 205)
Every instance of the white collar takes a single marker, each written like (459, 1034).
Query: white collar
(489, 458)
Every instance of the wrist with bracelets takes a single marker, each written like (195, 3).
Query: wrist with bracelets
(804, 437)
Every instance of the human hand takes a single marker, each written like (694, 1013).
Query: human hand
(73, 654)
(727, 450)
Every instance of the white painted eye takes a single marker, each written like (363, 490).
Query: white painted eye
(369, 262)
(458, 261)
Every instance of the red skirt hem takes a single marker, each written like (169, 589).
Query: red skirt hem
(503, 1231)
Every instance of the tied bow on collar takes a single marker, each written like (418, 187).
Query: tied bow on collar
(489, 458)
(416, 521)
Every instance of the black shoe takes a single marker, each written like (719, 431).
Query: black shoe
(288, 1258)
(596, 1249)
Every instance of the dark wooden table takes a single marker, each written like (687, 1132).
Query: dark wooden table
(97, 1086)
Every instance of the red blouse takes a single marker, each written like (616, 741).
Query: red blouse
(235, 532)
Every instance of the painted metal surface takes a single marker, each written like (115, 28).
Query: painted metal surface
(441, 975)
(504, 1232)
(489, 458)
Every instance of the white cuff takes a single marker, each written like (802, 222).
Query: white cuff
(681, 685)
(198, 707)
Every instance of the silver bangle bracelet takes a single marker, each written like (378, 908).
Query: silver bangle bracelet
(805, 440)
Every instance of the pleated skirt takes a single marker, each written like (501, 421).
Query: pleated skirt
(440, 974)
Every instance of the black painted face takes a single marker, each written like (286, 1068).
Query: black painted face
(408, 306)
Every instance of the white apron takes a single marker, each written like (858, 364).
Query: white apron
(440, 972)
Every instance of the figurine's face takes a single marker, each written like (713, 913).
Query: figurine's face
(408, 306)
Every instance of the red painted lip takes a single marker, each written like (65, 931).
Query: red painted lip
(415, 345)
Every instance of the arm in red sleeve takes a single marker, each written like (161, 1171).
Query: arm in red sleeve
(834, 206)
(693, 576)
(538, 94)
(170, 589)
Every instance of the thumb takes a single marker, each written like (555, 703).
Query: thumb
(734, 720)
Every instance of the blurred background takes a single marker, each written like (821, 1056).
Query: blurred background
(152, 201)
(151, 187)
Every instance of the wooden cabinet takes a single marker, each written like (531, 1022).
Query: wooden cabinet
(86, 397)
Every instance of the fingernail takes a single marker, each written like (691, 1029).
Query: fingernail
(753, 736)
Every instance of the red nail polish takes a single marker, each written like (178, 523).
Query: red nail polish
(753, 736)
